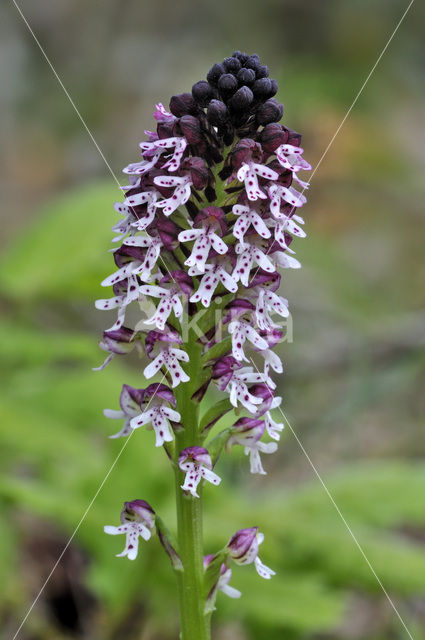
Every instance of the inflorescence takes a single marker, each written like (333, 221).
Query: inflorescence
(209, 215)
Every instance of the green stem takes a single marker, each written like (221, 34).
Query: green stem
(191, 580)
(194, 623)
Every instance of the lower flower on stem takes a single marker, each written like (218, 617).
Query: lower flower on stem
(243, 549)
(138, 519)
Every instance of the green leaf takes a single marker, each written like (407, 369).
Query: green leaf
(214, 413)
(217, 350)
(211, 577)
(169, 543)
(215, 446)
(208, 317)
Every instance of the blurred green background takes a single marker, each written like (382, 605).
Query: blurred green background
(354, 373)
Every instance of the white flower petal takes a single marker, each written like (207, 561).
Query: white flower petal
(154, 366)
(142, 419)
(115, 531)
(262, 570)
(114, 415)
(210, 476)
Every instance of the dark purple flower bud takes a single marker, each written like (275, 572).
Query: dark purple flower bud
(270, 111)
(225, 366)
(138, 511)
(265, 279)
(126, 254)
(191, 129)
(214, 216)
(202, 92)
(245, 150)
(198, 171)
(131, 399)
(168, 232)
(165, 129)
(272, 136)
(242, 57)
(182, 104)
(237, 308)
(246, 76)
(147, 181)
(275, 88)
(227, 85)
(169, 336)
(262, 71)
(118, 341)
(215, 72)
(217, 113)
(262, 88)
(242, 99)
(231, 65)
(160, 391)
(285, 180)
(252, 62)
(294, 138)
(228, 136)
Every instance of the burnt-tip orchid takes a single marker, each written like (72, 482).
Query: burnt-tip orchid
(207, 225)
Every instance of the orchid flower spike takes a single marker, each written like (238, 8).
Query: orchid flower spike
(209, 220)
